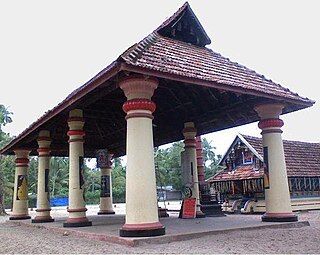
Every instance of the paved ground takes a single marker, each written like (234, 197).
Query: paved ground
(306, 239)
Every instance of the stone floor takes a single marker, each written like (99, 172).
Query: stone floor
(106, 227)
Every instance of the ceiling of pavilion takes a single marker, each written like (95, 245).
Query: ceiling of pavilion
(195, 84)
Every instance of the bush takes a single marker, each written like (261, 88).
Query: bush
(92, 198)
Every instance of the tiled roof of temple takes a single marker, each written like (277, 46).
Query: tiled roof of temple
(302, 160)
(195, 83)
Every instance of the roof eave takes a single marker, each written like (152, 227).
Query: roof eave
(305, 103)
(93, 83)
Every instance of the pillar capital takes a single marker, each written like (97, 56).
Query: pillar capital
(189, 133)
(22, 153)
(137, 86)
(269, 111)
(44, 142)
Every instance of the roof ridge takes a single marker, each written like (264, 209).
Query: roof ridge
(133, 53)
(172, 17)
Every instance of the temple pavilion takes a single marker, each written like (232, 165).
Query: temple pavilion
(167, 87)
(243, 181)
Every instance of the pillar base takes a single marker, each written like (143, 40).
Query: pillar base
(40, 219)
(279, 217)
(105, 212)
(20, 217)
(142, 230)
(77, 222)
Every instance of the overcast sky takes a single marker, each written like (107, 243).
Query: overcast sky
(50, 48)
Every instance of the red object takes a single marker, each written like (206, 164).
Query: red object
(189, 208)
(268, 123)
(139, 104)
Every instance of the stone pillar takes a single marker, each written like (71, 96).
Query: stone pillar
(190, 158)
(43, 196)
(20, 194)
(277, 196)
(141, 195)
(106, 187)
(76, 209)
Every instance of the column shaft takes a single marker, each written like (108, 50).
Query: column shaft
(189, 157)
(277, 196)
(106, 206)
(76, 209)
(20, 194)
(43, 194)
(141, 196)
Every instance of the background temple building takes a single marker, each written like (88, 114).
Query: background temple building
(242, 181)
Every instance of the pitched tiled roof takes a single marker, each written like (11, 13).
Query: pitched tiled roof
(170, 59)
(302, 159)
(166, 55)
(241, 173)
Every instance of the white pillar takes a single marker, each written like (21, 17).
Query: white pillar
(43, 194)
(190, 158)
(141, 195)
(106, 206)
(277, 196)
(20, 194)
(76, 209)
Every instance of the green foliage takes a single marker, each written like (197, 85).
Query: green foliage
(210, 159)
(32, 175)
(5, 118)
(118, 175)
(168, 166)
(59, 175)
(93, 197)
(7, 167)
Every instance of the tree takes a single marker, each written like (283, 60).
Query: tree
(210, 159)
(118, 175)
(5, 118)
(59, 175)
(168, 166)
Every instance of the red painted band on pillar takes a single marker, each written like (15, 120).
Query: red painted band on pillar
(142, 226)
(139, 115)
(139, 104)
(189, 129)
(44, 139)
(77, 210)
(76, 140)
(190, 142)
(77, 220)
(79, 119)
(21, 161)
(43, 150)
(46, 217)
(76, 132)
(43, 210)
(268, 123)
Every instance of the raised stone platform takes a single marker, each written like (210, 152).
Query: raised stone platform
(106, 227)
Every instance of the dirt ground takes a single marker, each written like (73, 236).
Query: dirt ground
(306, 240)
